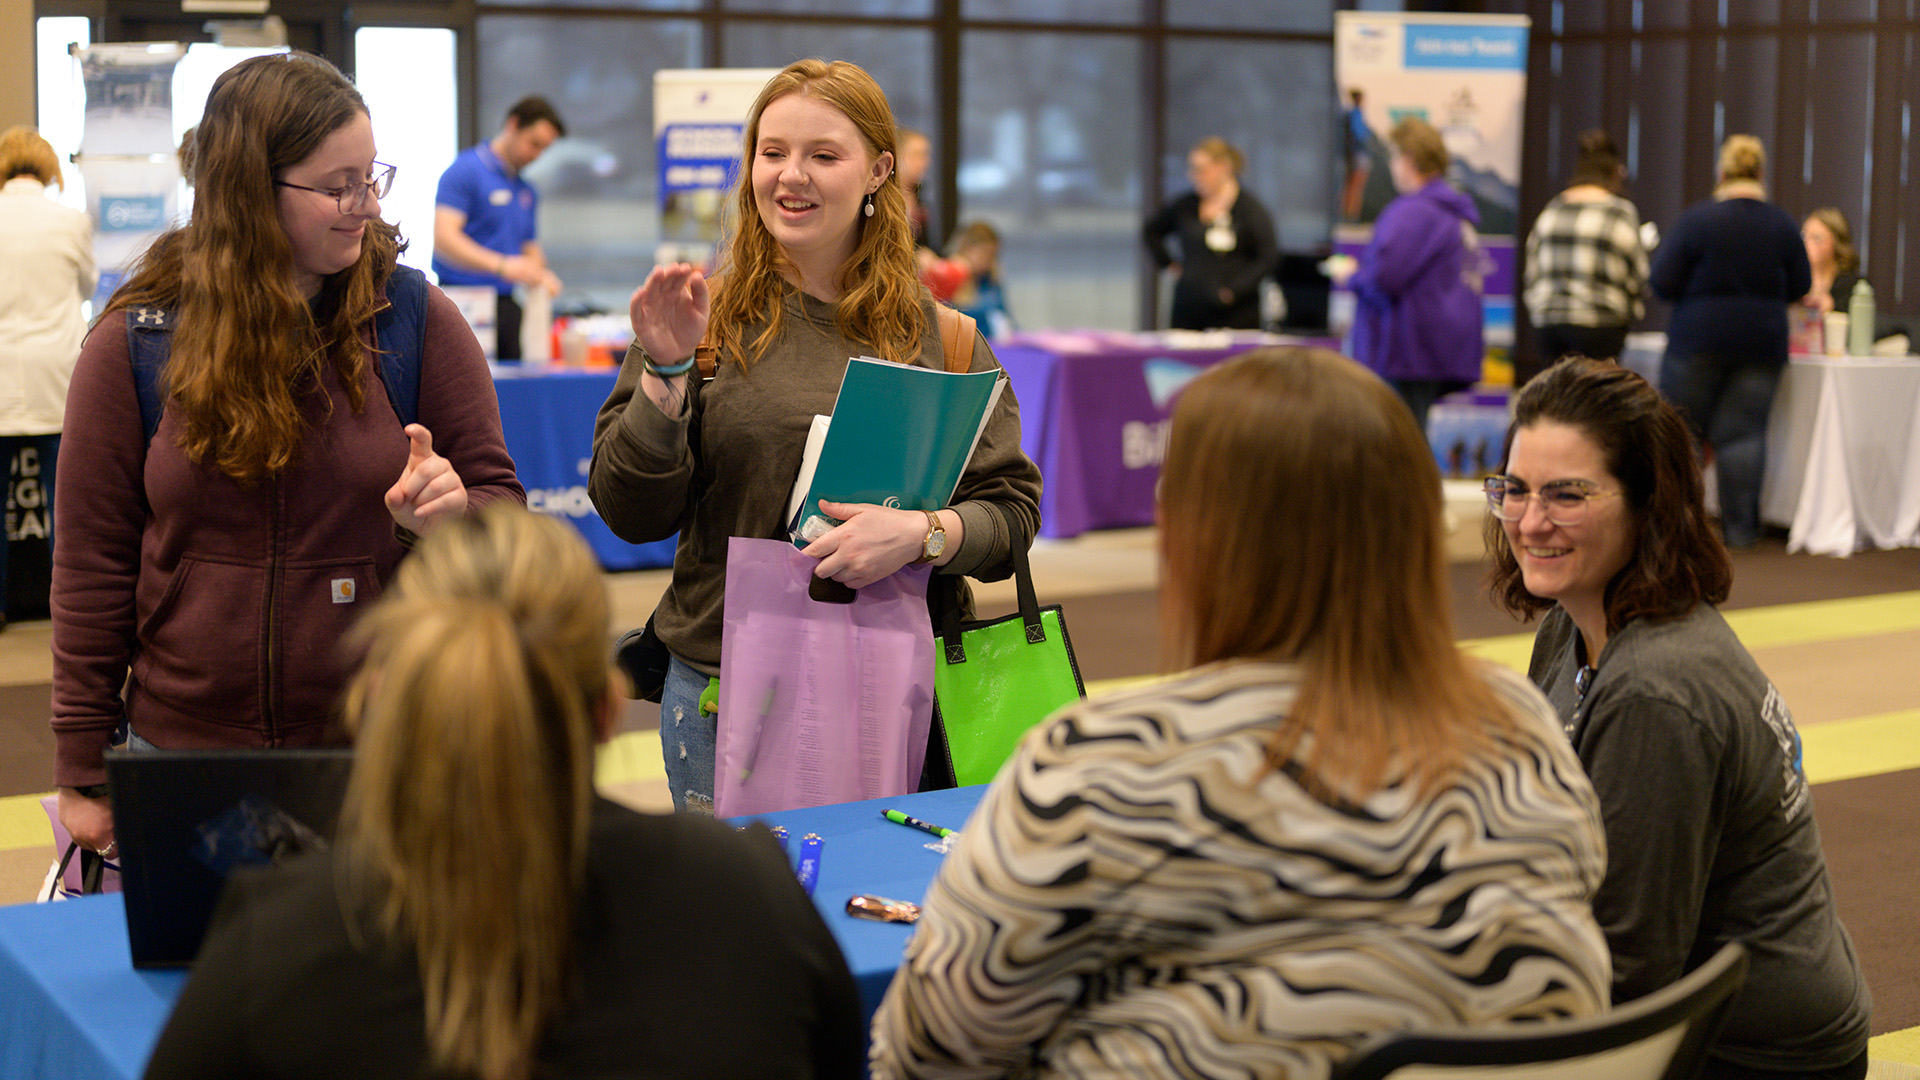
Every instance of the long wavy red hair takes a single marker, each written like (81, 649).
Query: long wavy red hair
(880, 304)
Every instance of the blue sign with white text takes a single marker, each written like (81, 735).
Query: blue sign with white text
(133, 213)
(1453, 45)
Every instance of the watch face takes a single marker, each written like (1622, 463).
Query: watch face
(936, 543)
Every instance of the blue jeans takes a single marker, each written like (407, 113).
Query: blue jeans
(687, 738)
(1726, 401)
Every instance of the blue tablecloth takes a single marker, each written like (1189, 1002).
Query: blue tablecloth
(71, 1004)
(547, 416)
(865, 853)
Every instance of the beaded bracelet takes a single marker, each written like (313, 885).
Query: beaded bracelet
(681, 368)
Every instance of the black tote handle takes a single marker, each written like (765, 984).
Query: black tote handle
(955, 647)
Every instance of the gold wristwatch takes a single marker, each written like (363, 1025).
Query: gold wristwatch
(936, 541)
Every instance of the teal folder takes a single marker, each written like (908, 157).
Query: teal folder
(899, 436)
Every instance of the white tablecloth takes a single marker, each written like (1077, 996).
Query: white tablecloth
(1843, 449)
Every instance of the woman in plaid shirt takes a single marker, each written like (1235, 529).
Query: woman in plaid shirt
(1586, 267)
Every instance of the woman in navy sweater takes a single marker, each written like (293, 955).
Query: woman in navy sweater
(1730, 266)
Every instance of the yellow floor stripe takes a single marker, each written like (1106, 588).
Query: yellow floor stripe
(629, 757)
(1763, 628)
(23, 824)
(1901, 1046)
(1839, 750)
(1826, 620)
(1864, 746)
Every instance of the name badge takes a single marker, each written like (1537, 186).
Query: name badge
(500, 196)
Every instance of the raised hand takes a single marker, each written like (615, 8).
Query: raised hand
(669, 312)
(428, 489)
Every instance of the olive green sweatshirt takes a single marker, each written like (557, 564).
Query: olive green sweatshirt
(725, 468)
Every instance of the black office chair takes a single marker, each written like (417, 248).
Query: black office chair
(1663, 1036)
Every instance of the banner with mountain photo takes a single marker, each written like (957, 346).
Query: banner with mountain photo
(1467, 76)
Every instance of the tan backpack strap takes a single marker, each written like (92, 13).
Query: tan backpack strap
(956, 337)
(706, 355)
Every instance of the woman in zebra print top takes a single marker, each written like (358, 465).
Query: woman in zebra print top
(1332, 825)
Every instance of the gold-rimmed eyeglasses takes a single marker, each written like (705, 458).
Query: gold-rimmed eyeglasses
(353, 196)
(1565, 502)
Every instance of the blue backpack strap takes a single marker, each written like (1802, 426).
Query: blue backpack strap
(400, 329)
(149, 343)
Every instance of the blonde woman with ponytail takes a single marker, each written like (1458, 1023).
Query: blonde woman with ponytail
(818, 268)
(484, 913)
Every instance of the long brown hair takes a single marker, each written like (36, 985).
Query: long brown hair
(246, 345)
(1679, 560)
(464, 830)
(1300, 520)
(880, 301)
(1846, 258)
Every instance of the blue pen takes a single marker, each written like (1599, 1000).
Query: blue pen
(809, 870)
(780, 835)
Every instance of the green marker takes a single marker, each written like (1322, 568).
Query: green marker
(899, 818)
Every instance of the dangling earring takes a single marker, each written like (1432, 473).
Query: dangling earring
(869, 204)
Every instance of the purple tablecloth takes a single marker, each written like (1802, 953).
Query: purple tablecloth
(1094, 414)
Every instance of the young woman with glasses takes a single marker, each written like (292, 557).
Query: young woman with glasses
(205, 573)
(1598, 521)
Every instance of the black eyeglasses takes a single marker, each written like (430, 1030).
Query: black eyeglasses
(353, 196)
(1564, 501)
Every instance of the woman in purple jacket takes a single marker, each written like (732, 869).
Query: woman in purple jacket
(1418, 322)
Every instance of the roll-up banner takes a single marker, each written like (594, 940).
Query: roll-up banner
(699, 117)
(127, 157)
(1467, 76)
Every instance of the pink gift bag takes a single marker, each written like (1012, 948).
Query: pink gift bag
(63, 884)
(820, 702)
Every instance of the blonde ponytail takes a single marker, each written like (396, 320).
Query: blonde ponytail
(465, 824)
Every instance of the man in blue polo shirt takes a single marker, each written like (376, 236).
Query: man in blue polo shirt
(485, 215)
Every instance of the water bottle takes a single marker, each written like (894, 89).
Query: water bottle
(536, 326)
(1860, 316)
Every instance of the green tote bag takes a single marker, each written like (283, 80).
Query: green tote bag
(995, 678)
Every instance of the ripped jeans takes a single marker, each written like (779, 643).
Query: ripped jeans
(687, 738)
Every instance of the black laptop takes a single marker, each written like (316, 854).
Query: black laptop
(185, 819)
